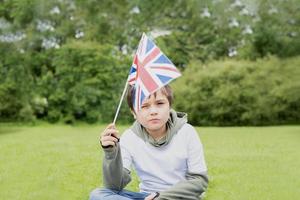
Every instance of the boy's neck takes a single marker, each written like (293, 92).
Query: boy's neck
(158, 134)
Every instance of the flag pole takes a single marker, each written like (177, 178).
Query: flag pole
(120, 103)
(123, 94)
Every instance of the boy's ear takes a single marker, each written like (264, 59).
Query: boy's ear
(133, 113)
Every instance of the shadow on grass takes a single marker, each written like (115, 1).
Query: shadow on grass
(4, 131)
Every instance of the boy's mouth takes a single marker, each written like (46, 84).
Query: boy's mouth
(154, 120)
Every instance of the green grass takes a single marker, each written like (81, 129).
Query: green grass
(64, 162)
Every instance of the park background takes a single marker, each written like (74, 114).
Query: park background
(64, 64)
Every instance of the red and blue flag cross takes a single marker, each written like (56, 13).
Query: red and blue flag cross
(150, 71)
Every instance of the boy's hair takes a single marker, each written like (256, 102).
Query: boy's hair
(166, 90)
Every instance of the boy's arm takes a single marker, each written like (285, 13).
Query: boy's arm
(114, 175)
(190, 189)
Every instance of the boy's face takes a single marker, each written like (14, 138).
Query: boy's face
(154, 113)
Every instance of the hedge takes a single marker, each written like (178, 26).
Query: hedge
(240, 92)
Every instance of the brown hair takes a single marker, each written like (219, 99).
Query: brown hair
(166, 90)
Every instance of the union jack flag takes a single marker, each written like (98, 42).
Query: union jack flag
(132, 73)
(150, 71)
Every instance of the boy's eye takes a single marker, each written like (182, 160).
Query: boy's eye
(161, 103)
(145, 106)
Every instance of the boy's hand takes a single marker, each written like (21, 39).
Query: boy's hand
(109, 137)
(152, 196)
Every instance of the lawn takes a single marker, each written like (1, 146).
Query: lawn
(64, 162)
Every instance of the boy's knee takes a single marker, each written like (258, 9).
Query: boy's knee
(96, 194)
(101, 194)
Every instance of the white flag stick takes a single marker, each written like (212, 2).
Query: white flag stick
(120, 103)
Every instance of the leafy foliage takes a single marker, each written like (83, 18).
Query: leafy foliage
(241, 92)
(67, 60)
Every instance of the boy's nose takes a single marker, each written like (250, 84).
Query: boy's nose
(153, 110)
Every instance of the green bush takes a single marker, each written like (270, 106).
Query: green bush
(54, 116)
(241, 92)
(56, 74)
(15, 87)
(85, 84)
(26, 114)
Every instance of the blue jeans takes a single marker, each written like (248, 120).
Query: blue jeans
(107, 194)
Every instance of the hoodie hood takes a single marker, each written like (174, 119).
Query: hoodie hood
(174, 123)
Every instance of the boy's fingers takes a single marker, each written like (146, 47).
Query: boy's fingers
(151, 196)
(108, 143)
(110, 132)
(109, 138)
(110, 129)
(111, 126)
(115, 134)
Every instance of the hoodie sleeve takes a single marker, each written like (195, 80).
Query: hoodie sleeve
(196, 178)
(114, 175)
(190, 189)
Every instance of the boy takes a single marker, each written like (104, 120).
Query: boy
(164, 149)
